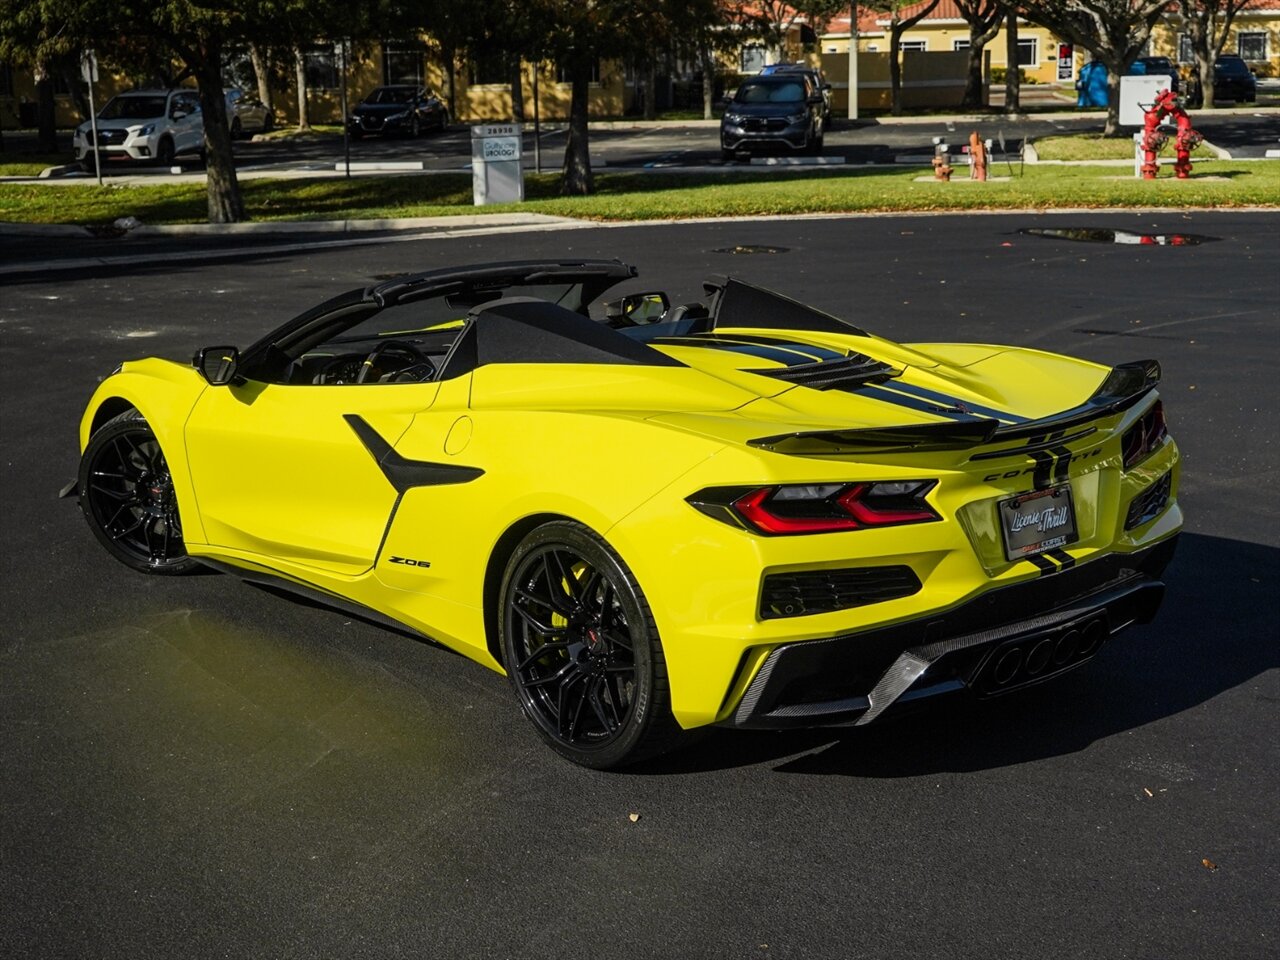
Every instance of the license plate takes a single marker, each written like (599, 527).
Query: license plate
(1035, 522)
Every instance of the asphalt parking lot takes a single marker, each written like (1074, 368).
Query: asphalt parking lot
(196, 766)
(1246, 132)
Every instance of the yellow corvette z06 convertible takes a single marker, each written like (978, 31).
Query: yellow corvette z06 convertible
(653, 517)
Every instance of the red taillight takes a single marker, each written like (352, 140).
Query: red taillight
(829, 508)
(1144, 436)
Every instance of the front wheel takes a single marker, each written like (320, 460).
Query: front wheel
(165, 153)
(582, 650)
(127, 496)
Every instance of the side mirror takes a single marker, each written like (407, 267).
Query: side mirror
(637, 309)
(217, 364)
(177, 113)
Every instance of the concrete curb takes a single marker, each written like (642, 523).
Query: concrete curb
(478, 221)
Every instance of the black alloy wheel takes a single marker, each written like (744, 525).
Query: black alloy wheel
(237, 129)
(582, 651)
(126, 493)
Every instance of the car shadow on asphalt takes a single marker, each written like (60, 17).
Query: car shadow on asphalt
(1215, 631)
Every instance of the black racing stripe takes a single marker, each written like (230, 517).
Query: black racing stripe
(777, 354)
(406, 474)
(1061, 469)
(1042, 478)
(1059, 556)
(924, 406)
(818, 353)
(1046, 566)
(946, 400)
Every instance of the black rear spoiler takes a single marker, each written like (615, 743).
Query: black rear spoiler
(1124, 386)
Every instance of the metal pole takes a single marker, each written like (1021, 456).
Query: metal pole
(537, 124)
(853, 60)
(346, 128)
(89, 72)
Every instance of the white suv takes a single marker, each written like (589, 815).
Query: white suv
(148, 125)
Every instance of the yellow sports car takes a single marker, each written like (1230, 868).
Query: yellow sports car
(654, 517)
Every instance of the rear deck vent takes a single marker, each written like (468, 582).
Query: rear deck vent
(846, 374)
(804, 592)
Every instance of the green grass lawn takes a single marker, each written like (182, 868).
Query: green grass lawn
(1094, 146)
(623, 196)
(29, 163)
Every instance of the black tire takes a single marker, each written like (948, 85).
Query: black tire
(237, 129)
(127, 496)
(164, 152)
(415, 126)
(268, 122)
(582, 650)
(727, 155)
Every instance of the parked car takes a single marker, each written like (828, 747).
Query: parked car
(815, 77)
(1232, 80)
(1157, 67)
(246, 114)
(743, 511)
(146, 125)
(785, 109)
(399, 109)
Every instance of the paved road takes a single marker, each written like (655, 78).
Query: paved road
(197, 767)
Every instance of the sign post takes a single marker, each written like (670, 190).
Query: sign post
(89, 67)
(496, 174)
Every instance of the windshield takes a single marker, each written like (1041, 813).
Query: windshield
(391, 95)
(770, 93)
(133, 108)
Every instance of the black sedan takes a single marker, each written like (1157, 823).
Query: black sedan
(403, 109)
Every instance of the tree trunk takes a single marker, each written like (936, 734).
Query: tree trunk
(576, 179)
(895, 72)
(225, 203)
(651, 90)
(262, 74)
(1013, 74)
(1114, 72)
(1204, 59)
(447, 55)
(69, 70)
(708, 83)
(973, 78)
(517, 91)
(300, 81)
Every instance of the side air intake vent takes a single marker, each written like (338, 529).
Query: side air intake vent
(1150, 503)
(800, 593)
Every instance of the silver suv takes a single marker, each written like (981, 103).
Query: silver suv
(147, 125)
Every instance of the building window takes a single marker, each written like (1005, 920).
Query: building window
(1028, 52)
(960, 44)
(563, 75)
(1252, 46)
(752, 59)
(321, 65)
(916, 46)
(1185, 53)
(402, 63)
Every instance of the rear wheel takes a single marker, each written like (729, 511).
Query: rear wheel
(127, 496)
(582, 650)
(237, 129)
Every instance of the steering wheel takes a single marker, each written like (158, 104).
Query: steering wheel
(416, 359)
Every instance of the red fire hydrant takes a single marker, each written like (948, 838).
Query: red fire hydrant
(1166, 104)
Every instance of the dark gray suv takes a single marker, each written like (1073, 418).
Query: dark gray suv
(779, 110)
